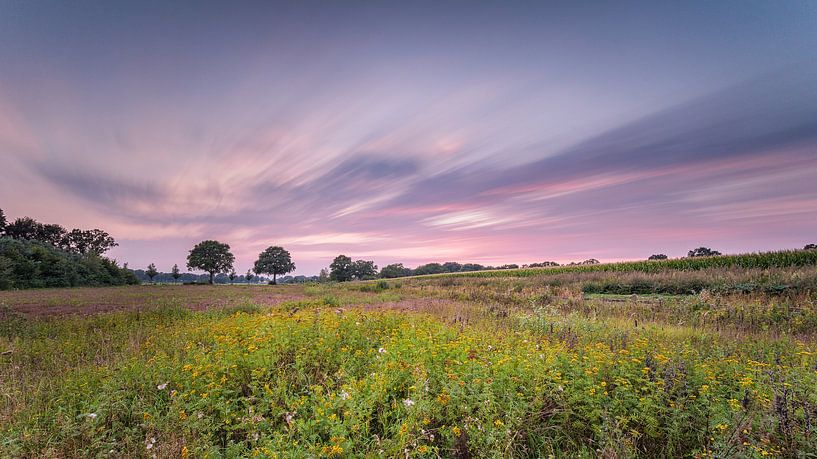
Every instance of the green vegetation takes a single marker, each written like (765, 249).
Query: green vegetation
(34, 264)
(274, 260)
(437, 366)
(764, 260)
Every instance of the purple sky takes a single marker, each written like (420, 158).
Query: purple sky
(443, 131)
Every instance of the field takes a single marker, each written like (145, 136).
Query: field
(711, 361)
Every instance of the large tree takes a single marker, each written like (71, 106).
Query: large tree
(275, 260)
(23, 228)
(363, 269)
(89, 241)
(341, 269)
(212, 257)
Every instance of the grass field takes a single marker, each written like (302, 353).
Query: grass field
(440, 366)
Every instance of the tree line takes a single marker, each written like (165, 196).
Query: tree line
(35, 255)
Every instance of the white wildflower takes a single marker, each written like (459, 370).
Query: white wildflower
(345, 395)
(162, 386)
(381, 350)
(408, 402)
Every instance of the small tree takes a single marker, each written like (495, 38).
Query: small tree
(341, 269)
(591, 261)
(659, 256)
(232, 276)
(275, 260)
(175, 273)
(151, 272)
(212, 257)
(324, 275)
(703, 252)
(249, 277)
(810, 247)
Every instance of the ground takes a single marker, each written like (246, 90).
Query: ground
(427, 367)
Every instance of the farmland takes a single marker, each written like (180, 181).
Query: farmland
(716, 360)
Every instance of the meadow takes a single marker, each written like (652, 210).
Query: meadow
(527, 363)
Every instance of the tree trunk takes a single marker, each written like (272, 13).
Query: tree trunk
(273, 279)
(211, 277)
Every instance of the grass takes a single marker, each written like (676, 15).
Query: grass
(430, 367)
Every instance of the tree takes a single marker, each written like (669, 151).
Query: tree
(23, 228)
(362, 269)
(341, 269)
(703, 252)
(394, 270)
(324, 275)
(151, 271)
(659, 256)
(275, 260)
(89, 241)
(591, 261)
(212, 257)
(430, 268)
(249, 277)
(810, 247)
(232, 276)
(3, 222)
(452, 267)
(175, 273)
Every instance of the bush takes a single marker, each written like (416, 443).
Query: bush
(33, 264)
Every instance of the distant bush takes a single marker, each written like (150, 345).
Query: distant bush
(659, 256)
(35, 264)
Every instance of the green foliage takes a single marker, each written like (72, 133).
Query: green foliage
(212, 257)
(274, 260)
(659, 256)
(394, 270)
(309, 381)
(175, 273)
(764, 260)
(3, 222)
(33, 264)
(151, 271)
(341, 269)
(362, 269)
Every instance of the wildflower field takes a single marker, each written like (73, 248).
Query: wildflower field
(514, 366)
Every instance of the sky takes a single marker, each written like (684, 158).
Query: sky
(413, 132)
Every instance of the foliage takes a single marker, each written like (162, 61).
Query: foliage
(341, 269)
(175, 273)
(703, 252)
(394, 270)
(659, 256)
(362, 269)
(763, 260)
(304, 380)
(810, 247)
(77, 241)
(274, 260)
(249, 277)
(3, 222)
(212, 257)
(151, 271)
(34, 264)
